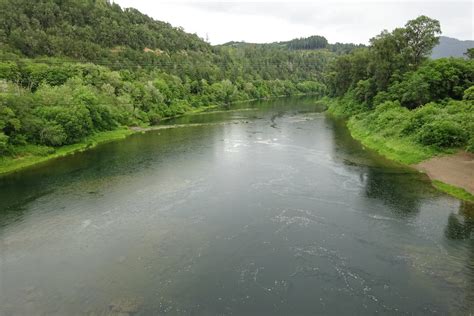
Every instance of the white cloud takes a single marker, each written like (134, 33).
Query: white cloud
(267, 21)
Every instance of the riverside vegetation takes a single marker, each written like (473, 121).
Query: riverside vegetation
(403, 104)
(72, 69)
(74, 73)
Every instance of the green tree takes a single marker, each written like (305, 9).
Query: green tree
(470, 53)
(421, 37)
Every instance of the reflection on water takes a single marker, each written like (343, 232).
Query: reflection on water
(461, 225)
(278, 211)
(387, 182)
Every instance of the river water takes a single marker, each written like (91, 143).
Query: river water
(267, 209)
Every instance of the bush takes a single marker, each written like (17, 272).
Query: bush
(53, 135)
(469, 94)
(420, 117)
(4, 146)
(443, 134)
(470, 144)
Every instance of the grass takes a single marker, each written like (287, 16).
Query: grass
(453, 191)
(402, 150)
(405, 152)
(33, 154)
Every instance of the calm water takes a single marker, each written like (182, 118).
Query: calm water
(272, 210)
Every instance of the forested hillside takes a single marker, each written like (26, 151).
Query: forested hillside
(399, 101)
(310, 43)
(72, 68)
(88, 29)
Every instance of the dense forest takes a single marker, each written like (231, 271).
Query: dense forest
(400, 101)
(72, 68)
(315, 42)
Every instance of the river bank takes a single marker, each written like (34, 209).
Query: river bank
(283, 187)
(453, 174)
(450, 171)
(33, 155)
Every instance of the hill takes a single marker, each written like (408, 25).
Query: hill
(86, 29)
(310, 43)
(70, 69)
(451, 47)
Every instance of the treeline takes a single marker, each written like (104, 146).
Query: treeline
(60, 104)
(320, 42)
(392, 90)
(58, 86)
(312, 42)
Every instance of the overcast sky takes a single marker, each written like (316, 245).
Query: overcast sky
(269, 21)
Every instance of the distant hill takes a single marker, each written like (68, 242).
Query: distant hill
(447, 47)
(87, 29)
(451, 47)
(314, 42)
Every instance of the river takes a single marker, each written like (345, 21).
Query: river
(270, 208)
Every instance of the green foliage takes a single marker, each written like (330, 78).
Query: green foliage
(4, 145)
(312, 42)
(29, 155)
(470, 53)
(108, 67)
(401, 103)
(421, 37)
(469, 94)
(53, 135)
(389, 56)
(57, 101)
(470, 144)
(419, 118)
(433, 81)
(401, 149)
(409, 136)
(345, 106)
(454, 191)
(443, 134)
(87, 29)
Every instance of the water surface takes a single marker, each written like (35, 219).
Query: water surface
(267, 210)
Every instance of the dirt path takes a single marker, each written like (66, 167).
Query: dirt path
(457, 170)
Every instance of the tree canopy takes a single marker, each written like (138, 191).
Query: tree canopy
(393, 90)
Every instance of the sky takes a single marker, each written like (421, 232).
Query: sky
(266, 21)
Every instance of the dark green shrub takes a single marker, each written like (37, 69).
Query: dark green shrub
(443, 134)
(4, 146)
(53, 135)
(469, 94)
(470, 145)
(420, 117)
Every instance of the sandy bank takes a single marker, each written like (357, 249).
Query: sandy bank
(457, 170)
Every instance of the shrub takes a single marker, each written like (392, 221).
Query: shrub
(4, 146)
(470, 145)
(469, 94)
(53, 135)
(443, 134)
(420, 117)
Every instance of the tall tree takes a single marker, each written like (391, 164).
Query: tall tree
(421, 37)
(470, 53)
